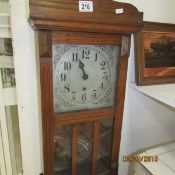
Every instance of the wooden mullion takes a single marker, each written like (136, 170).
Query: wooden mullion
(95, 146)
(74, 149)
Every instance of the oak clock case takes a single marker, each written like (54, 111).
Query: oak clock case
(83, 68)
(84, 81)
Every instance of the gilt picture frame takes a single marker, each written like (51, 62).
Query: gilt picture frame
(155, 54)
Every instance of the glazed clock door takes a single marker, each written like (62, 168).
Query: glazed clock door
(82, 101)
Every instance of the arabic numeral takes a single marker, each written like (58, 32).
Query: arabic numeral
(85, 54)
(94, 94)
(85, 6)
(102, 64)
(66, 88)
(67, 65)
(105, 76)
(63, 77)
(74, 96)
(83, 97)
(88, 6)
(75, 57)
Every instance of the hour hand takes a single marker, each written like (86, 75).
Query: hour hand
(81, 66)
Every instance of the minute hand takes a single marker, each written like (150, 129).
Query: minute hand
(81, 66)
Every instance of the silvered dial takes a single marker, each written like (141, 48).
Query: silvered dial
(84, 76)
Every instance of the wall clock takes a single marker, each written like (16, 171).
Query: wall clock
(83, 53)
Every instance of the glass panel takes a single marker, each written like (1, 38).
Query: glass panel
(63, 142)
(6, 47)
(85, 139)
(104, 151)
(8, 77)
(14, 139)
(84, 76)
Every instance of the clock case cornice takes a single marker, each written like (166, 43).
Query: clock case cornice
(65, 15)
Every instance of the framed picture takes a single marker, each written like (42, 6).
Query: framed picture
(155, 54)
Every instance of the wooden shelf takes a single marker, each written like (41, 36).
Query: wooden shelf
(162, 93)
(166, 160)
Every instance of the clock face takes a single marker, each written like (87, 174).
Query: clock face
(84, 76)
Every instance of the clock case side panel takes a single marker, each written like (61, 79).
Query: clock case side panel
(46, 79)
(120, 99)
(139, 57)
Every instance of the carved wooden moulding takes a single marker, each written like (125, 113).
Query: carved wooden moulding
(107, 16)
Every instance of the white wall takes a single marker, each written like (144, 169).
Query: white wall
(155, 10)
(26, 85)
(145, 122)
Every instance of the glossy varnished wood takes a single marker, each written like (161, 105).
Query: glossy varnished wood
(83, 116)
(85, 27)
(65, 15)
(47, 99)
(45, 44)
(74, 149)
(59, 21)
(120, 98)
(95, 146)
(86, 38)
(161, 27)
(159, 72)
